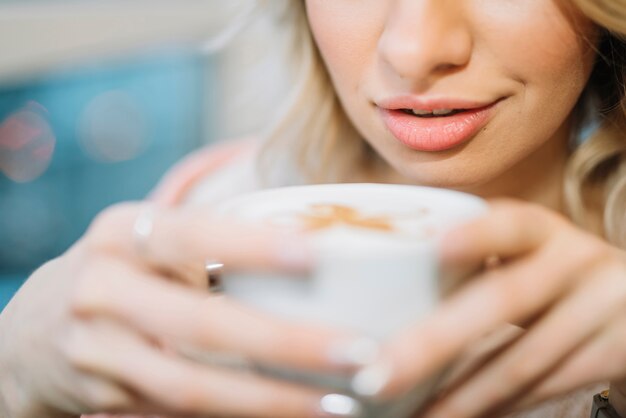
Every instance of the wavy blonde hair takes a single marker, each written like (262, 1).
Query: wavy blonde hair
(323, 146)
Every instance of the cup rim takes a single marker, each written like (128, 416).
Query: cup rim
(236, 201)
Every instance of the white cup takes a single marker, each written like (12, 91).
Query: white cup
(376, 267)
(375, 245)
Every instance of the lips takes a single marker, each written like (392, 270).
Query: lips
(434, 125)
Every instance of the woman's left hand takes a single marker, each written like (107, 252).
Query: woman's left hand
(565, 287)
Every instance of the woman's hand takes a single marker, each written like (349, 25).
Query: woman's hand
(97, 329)
(564, 287)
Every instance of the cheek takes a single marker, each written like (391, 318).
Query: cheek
(546, 45)
(551, 61)
(347, 33)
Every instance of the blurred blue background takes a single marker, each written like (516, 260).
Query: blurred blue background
(77, 141)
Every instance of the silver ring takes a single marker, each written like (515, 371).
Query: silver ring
(214, 270)
(142, 230)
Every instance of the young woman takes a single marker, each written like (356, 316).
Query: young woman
(517, 99)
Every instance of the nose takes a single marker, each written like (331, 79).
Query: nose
(424, 39)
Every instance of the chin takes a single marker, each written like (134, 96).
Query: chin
(462, 178)
(465, 168)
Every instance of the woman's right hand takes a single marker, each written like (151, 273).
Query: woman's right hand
(95, 330)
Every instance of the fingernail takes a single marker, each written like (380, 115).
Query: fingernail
(360, 352)
(371, 380)
(293, 252)
(336, 405)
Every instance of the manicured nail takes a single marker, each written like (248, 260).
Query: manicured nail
(355, 353)
(371, 380)
(336, 405)
(294, 253)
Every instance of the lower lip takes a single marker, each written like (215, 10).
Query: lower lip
(437, 133)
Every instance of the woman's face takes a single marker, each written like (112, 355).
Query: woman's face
(457, 93)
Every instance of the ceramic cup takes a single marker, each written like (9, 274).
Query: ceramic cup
(376, 268)
(375, 246)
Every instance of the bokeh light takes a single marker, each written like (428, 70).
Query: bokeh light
(27, 143)
(113, 127)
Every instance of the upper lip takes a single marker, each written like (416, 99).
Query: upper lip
(431, 103)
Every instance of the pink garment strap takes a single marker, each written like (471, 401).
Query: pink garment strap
(177, 182)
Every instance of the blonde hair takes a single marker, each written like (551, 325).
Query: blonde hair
(595, 184)
(323, 146)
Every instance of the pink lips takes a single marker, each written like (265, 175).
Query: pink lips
(434, 133)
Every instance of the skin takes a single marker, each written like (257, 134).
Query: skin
(527, 53)
(565, 286)
(80, 338)
(97, 329)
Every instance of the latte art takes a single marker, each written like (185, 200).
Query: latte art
(321, 216)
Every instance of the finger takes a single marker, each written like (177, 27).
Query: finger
(601, 359)
(510, 229)
(180, 242)
(175, 386)
(95, 395)
(574, 373)
(548, 345)
(513, 293)
(170, 312)
(576, 399)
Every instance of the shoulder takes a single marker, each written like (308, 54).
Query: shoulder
(227, 165)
